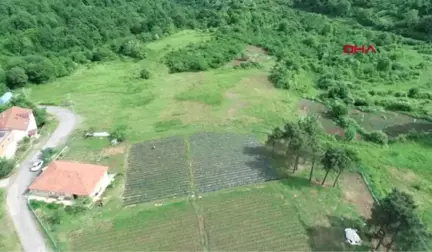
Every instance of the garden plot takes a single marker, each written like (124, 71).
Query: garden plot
(227, 160)
(169, 228)
(156, 173)
(252, 220)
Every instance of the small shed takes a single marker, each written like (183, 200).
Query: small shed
(5, 98)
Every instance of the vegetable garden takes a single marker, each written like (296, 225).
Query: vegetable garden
(222, 161)
(156, 170)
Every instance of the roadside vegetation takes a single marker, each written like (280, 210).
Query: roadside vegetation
(151, 70)
(8, 238)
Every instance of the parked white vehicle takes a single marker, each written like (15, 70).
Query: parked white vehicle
(36, 166)
(352, 237)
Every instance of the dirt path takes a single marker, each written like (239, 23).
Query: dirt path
(356, 192)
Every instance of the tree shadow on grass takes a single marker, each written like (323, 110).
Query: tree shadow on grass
(272, 164)
(332, 237)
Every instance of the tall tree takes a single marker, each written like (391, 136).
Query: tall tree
(347, 158)
(275, 137)
(330, 160)
(297, 145)
(312, 127)
(393, 217)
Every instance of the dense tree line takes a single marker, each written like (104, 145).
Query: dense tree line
(407, 17)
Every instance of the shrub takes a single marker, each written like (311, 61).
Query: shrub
(119, 133)
(339, 92)
(399, 106)
(16, 77)
(350, 133)
(378, 137)
(54, 218)
(338, 110)
(413, 92)
(6, 167)
(48, 154)
(75, 209)
(145, 74)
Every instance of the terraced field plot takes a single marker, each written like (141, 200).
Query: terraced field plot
(171, 228)
(227, 160)
(253, 220)
(156, 173)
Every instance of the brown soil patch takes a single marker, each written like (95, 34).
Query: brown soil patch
(355, 191)
(256, 49)
(115, 150)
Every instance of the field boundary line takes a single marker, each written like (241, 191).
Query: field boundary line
(201, 224)
(188, 155)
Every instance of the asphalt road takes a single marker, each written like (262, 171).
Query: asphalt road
(26, 226)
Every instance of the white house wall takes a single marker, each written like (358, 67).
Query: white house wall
(19, 134)
(10, 150)
(32, 123)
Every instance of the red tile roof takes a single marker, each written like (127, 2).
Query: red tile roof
(69, 177)
(15, 118)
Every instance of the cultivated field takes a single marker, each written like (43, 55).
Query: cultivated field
(171, 228)
(251, 220)
(227, 160)
(205, 162)
(159, 173)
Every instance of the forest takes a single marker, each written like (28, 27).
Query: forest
(41, 41)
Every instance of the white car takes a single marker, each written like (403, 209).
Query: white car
(352, 237)
(36, 166)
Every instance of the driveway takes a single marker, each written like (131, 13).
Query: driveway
(26, 226)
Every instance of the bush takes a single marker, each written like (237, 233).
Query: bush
(338, 110)
(54, 218)
(399, 106)
(413, 92)
(378, 137)
(350, 133)
(16, 77)
(145, 74)
(119, 133)
(6, 167)
(47, 154)
(75, 209)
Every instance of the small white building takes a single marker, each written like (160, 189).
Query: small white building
(15, 124)
(68, 180)
(20, 121)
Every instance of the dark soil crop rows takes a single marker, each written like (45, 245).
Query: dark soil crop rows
(227, 160)
(254, 220)
(156, 173)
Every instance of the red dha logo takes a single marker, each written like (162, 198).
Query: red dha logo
(353, 49)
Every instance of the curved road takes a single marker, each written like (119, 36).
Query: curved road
(26, 226)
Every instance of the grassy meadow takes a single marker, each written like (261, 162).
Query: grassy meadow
(224, 99)
(8, 238)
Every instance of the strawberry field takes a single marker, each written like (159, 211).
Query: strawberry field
(227, 160)
(156, 170)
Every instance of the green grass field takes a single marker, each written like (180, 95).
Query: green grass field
(8, 238)
(227, 100)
